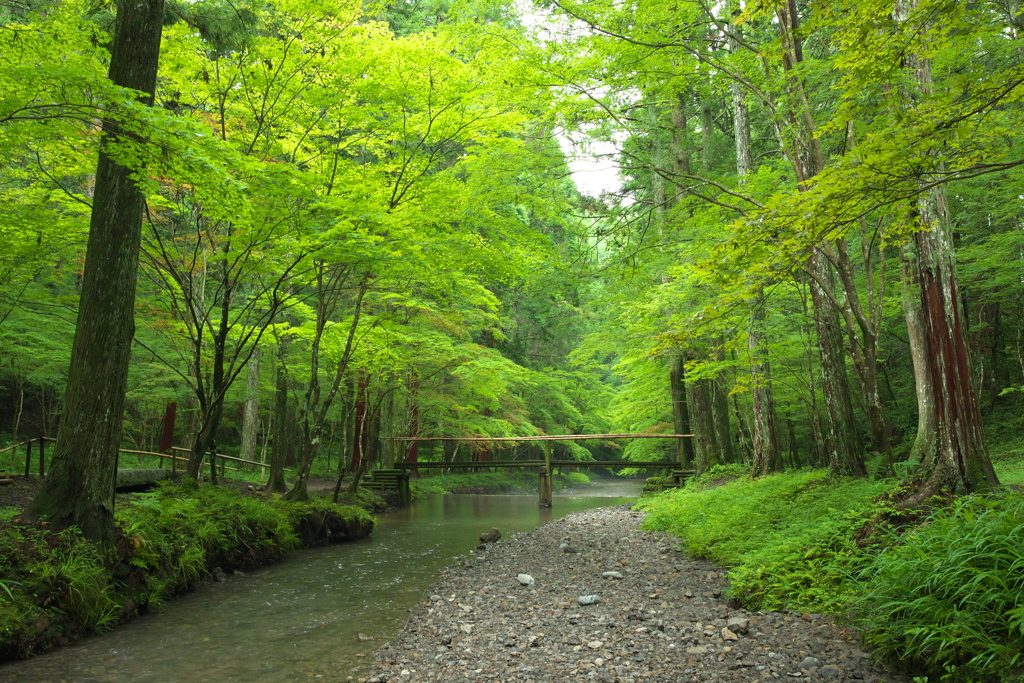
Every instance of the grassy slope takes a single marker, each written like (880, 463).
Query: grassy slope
(946, 597)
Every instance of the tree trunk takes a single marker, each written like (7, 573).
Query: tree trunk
(720, 405)
(250, 416)
(765, 440)
(279, 448)
(845, 455)
(680, 411)
(706, 451)
(80, 488)
(950, 444)
(360, 442)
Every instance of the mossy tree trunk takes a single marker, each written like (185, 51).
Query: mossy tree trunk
(950, 444)
(80, 488)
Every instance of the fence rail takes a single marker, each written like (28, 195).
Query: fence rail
(42, 440)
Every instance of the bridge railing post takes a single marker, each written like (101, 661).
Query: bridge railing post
(544, 480)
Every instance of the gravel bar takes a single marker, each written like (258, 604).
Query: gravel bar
(592, 597)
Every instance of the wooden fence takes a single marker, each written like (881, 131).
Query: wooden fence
(41, 442)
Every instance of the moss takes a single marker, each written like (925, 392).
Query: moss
(56, 587)
(502, 481)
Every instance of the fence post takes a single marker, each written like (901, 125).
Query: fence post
(42, 456)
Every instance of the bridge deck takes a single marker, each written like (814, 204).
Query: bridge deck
(536, 463)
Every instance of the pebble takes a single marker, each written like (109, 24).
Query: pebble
(665, 620)
(526, 580)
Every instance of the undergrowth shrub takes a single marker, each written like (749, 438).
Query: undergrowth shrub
(949, 596)
(788, 537)
(502, 481)
(56, 586)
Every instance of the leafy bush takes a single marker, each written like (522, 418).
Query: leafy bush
(950, 596)
(501, 481)
(788, 536)
(55, 586)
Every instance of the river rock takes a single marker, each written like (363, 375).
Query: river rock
(490, 536)
(728, 635)
(810, 663)
(588, 599)
(526, 580)
(649, 632)
(738, 625)
(612, 575)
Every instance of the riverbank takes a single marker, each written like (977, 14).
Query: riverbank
(500, 481)
(56, 586)
(660, 616)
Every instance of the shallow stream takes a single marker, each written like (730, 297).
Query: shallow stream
(302, 618)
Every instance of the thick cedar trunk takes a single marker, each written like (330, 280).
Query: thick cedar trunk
(80, 488)
(950, 445)
(279, 449)
(706, 451)
(360, 428)
(250, 415)
(680, 411)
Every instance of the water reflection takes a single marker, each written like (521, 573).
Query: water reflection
(304, 616)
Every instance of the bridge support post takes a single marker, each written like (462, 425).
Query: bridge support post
(544, 479)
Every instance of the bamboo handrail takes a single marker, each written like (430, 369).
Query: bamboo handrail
(546, 437)
(228, 457)
(15, 445)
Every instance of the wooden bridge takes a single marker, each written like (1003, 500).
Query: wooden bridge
(398, 478)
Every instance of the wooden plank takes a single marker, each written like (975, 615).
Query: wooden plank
(536, 463)
(555, 437)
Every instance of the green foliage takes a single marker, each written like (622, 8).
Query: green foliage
(48, 579)
(950, 596)
(788, 537)
(194, 530)
(501, 481)
(55, 587)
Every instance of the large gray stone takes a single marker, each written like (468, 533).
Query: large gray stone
(140, 477)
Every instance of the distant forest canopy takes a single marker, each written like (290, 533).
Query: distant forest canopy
(359, 223)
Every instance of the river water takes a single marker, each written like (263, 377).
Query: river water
(304, 617)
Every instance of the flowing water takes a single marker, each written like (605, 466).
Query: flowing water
(305, 617)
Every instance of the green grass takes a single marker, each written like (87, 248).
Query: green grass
(787, 536)
(1008, 461)
(945, 597)
(950, 595)
(501, 481)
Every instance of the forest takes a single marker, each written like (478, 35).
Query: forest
(302, 232)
